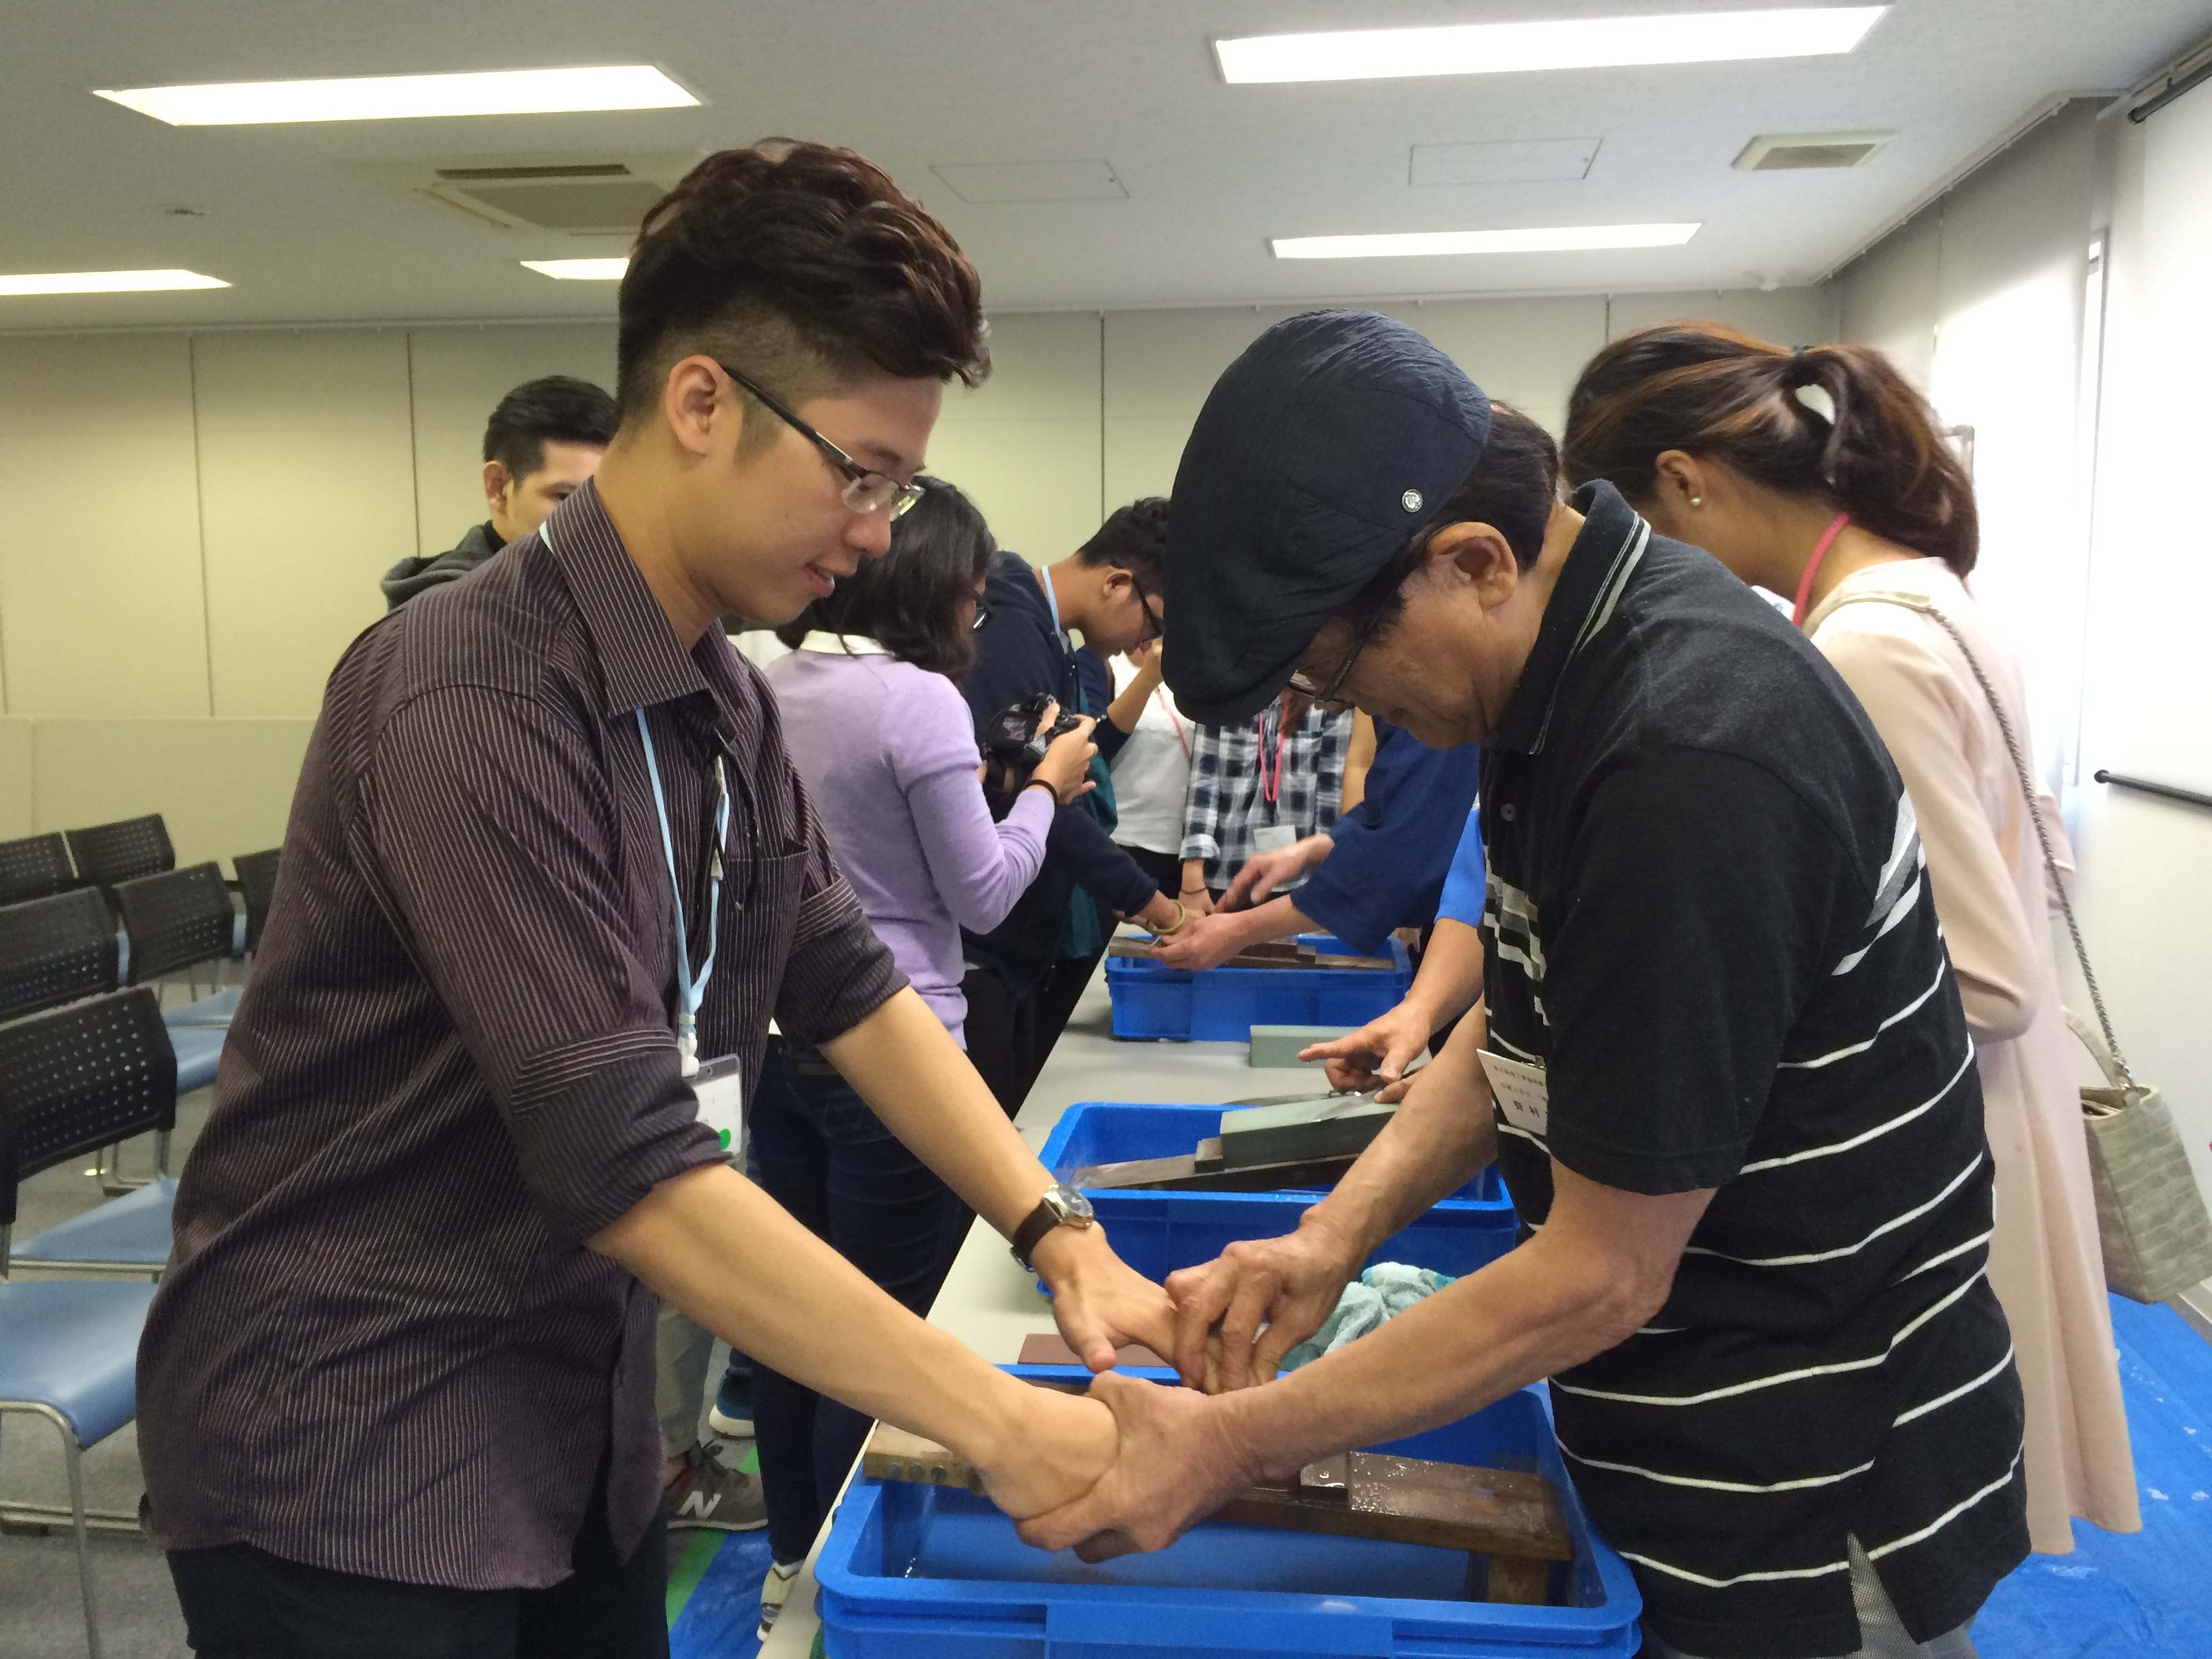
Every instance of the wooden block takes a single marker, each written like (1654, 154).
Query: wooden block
(894, 1455)
(1519, 1580)
(1326, 1126)
(1362, 964)
(1279, 1045)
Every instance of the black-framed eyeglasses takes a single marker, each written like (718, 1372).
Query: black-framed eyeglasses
(865, 490)
(1152, 624)
(1330, 696)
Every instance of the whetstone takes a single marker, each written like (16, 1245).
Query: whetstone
(1281, 1045)
(1326, 1126)
(1513, 1518)
(1187, 1174)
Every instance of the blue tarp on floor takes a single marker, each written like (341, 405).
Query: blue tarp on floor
(2147, 1597)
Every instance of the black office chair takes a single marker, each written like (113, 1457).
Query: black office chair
(177, 921)
(256, 881)
(34, 867)
(107, 853)
(53, 950)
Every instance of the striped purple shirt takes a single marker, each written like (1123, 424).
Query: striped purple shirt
(382, 1347)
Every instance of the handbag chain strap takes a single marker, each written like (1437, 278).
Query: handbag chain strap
(1913, 601)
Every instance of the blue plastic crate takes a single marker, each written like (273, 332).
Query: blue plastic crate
(1222, 1005)
(1157, 1233)
(923, 1572)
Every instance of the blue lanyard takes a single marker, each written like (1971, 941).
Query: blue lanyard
(690, 992)
(1052, 599)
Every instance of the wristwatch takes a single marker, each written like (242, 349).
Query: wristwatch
(1061, 1207)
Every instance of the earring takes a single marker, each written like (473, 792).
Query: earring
(1697, 500)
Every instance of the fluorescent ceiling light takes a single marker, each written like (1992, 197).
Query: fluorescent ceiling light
(399, 97)
(107, 282)
(579, 270)
(1568, 238)
(1703, 37)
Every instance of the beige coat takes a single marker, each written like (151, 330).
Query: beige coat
(1986, 873)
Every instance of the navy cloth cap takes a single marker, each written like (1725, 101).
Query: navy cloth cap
(1320, 453)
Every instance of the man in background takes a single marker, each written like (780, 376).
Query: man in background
(543, 440)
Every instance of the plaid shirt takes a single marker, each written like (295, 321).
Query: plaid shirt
(1225, 808)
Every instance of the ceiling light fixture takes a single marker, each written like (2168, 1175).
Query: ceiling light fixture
(1707, 37)
(1567, 238)
(579, 270)
(403, 97)
(107, 282)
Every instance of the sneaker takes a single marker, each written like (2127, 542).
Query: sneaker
(732, 1414)
(707, 1492)
(776, 1591)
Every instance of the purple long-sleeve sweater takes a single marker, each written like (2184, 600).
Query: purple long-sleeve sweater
(888, 752)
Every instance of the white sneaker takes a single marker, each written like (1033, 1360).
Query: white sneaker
(736, 1428)
(776, 1591)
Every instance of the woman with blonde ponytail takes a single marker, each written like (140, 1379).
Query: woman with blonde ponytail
(1820, 475)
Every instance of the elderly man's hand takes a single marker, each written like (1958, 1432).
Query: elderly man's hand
(1203, 942)
(1238, 1315)
(1175, 1461)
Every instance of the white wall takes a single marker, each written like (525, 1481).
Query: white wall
(2147, 895)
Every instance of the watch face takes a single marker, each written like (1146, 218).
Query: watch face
(1077, 1206)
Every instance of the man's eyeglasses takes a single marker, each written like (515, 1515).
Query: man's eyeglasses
(1145, 603)
(865, 489)
(1331, 695)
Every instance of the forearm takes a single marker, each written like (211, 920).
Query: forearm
(914, 1078)
(1441, 1137)
(1128, 706)
(728, 1255)
(1450, 982)
(1193, 875)
(1529, 1316)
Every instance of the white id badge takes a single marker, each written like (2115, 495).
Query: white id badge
(1522, 1093)
(1274, 837)
(720, 1089)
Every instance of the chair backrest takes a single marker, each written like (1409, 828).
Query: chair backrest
(54, 950)
(256, 880)
(77, 1079)
(34, 867)
(109, 853)
(176, 920)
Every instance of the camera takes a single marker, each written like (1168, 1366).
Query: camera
(1017, 737)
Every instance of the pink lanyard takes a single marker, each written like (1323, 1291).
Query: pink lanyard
(1167, 709)
(1813, 566)
(1271, 788)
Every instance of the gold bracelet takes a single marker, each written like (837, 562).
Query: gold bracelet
(1182, 915)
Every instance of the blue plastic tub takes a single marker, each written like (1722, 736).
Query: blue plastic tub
(922, 1572)
(1157, 1233)
(1222, 1005)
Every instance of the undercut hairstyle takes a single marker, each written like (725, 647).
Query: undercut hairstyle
(1134, 538)
(1514, 489)
(555, 410)
(910, 601)
(804, 267)
(1878, 453)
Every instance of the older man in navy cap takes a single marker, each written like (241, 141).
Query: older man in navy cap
(1720, 1059)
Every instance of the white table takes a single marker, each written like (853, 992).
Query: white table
(988, 1301)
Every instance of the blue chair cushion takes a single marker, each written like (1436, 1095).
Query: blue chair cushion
(199, 1049)
(73, 1345)
(132, 1228)
(208, 1011)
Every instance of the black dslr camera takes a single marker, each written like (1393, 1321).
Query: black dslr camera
(1017, 737)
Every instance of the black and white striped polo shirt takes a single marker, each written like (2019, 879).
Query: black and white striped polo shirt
(1709, 920)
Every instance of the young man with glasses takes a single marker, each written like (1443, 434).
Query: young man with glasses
(549, 876)
(1720, 1059)
(1026, 974)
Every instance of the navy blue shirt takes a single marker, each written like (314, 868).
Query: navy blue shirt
(1393, 852)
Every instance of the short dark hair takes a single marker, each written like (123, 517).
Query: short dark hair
(557, 409)
(909, 600)
(1134, 538)
(1514, 488)
(805, 266)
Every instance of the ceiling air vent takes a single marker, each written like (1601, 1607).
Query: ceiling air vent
(567, 194)
(1797, 152)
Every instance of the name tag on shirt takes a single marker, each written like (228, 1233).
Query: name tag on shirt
(1522, 1093)
(720, 1089)
(1274, 837)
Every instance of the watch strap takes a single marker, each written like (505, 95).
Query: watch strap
(1030, 1233)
